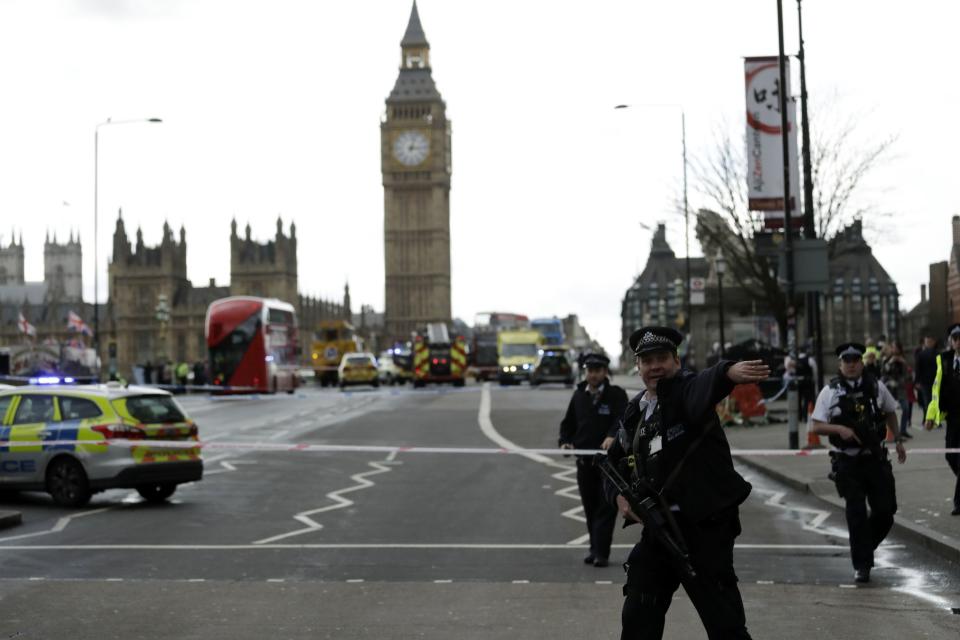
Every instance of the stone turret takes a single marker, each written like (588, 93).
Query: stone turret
(267, 269)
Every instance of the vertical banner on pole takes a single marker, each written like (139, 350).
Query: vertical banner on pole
(764, 142)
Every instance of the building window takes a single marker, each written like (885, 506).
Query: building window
(856, 293)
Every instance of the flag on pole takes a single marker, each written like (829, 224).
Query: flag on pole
(25, 327)
(76, 323)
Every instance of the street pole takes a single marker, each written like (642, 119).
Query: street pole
(688, 309)
(686, 226)
(793, 437)
(810, 230)
(721, 268)
(96, 235)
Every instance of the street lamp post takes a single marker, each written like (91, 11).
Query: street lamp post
(721, 267)
(686, 206)
(96, 219)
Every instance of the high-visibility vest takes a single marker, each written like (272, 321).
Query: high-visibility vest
(933, 409)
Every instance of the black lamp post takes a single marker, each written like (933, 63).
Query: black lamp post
(721, 266)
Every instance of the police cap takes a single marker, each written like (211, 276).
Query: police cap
(596, 360)
(650, 339)
(954, 330)
(851, 349)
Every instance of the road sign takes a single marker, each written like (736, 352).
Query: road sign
(698, 291)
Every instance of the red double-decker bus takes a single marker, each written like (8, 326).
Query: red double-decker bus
(253, 344)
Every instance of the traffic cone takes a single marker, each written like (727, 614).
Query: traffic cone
(813, 440)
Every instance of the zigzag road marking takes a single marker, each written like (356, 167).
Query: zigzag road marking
(339, 503)
(571, 491)
(59, 526)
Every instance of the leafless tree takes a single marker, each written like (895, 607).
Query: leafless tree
(840, 163)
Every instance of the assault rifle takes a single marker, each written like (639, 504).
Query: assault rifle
(655, 517)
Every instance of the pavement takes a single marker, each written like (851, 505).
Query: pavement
(925, 483)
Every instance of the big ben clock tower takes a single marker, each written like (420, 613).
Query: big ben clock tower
(415, 161)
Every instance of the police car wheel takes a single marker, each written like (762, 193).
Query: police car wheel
(156, 492)
(67, 483)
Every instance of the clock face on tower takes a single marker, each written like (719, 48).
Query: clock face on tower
(410, 148)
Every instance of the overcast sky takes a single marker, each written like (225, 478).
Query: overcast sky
(273, 108)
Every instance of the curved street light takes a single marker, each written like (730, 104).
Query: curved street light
(96, 217)
(686, 207)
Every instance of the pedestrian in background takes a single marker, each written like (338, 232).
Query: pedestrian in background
(855, 411)
(895, 375)
(870, 365)
(945, 405)
(925, 370)
(591, 422)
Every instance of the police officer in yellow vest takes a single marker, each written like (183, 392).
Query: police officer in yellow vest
(945, 405)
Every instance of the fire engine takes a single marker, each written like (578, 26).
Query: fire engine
(437, 358)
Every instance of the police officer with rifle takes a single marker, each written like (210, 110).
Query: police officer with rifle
(670, 468)
(855, 411)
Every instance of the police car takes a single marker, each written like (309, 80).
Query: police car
(358, 368)
(113, 419)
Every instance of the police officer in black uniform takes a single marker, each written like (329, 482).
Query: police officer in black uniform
(855, 411)
(945, 405)
(670, 440)
(591, 423)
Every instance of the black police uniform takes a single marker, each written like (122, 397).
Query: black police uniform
(589, 420)
(682, 431)
(862, 472)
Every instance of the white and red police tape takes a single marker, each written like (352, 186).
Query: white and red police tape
(359, 448)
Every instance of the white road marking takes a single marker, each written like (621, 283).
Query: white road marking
(355, 580)
(442, 581)
(275, 580)
(59, 526)
(521, 582)
(279, 434)
(830, 548)
(570, 491)
(339, 503)
(914, 581)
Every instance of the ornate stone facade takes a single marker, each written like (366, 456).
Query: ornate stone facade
(144, 279)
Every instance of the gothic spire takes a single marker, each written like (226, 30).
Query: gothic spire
(414, 36)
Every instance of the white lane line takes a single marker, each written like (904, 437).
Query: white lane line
(830, 548)
(521, 582)
(442, 581)
(275, 579)
(59, 526)
(566, 470)
(279, 434)
(339, 503)
(355, 580)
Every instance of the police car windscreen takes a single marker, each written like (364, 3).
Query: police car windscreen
(359, 362)
(154, 409)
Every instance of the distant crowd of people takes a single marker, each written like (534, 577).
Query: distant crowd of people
(170, 373)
